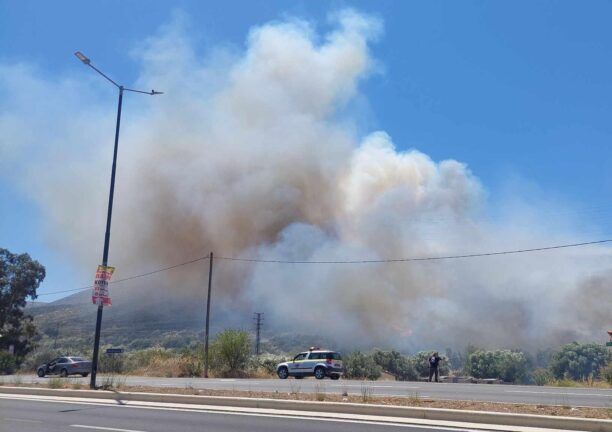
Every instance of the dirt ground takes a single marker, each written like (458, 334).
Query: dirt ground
(322, 395)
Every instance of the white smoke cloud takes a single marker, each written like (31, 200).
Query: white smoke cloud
(249, 154)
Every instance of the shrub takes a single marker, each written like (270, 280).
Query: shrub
(506, 365)
(607, 373)
(541, 376)
(421, 363)
(148, 358)
(38, 357)
(191, 363)
(7, 363)
(268, 362)
(361, 366)
(231, 351)
(579, 361)
(111, 363)
(398, 365)
(55, 383)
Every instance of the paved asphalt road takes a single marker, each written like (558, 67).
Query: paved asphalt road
(18, 414)
(566, 396)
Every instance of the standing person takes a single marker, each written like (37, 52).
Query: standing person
(434, 361)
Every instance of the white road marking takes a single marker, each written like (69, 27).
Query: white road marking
(286, 414)
(22, 420)
(560, 394)
(105, 428)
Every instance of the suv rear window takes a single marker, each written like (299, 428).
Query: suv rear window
(324, 356)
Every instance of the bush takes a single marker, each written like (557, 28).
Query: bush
(579, 361)
(151, 358)
(361, 366)
(191, 363)
(541, 376)
(231, 350)
(398, 365)
(7, 363)
(607, 373)
(421, 363)
(509, 366)
(111, 363)
(38, 357)
(268, 362)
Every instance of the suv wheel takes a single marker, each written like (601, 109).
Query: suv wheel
(283, 372)
(319, 372)
(40, 372)
(64, 373)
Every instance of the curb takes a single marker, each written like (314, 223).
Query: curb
(464, 416)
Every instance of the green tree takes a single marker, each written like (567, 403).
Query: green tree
(579, 361)
(358, 365)
(20, 276)
(231, 351)
(509, 366)
(541, 376)
(7, 363)
(396, 364)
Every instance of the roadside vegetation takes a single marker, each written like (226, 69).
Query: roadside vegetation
(20, 277)
(231, 356)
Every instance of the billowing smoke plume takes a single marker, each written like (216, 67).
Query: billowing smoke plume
(254, 154)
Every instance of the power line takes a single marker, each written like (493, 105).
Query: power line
(133, 277)
(365, 261)
(434, 258)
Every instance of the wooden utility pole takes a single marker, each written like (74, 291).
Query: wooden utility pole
(258, 323)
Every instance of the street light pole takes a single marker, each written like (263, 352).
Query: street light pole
(109, 215)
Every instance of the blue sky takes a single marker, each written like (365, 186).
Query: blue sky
(519, 91)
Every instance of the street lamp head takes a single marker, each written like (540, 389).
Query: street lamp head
(153, 92)
(82, 57)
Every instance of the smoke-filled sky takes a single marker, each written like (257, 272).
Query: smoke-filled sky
(273, 149)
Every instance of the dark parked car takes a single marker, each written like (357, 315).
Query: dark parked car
(64, 366)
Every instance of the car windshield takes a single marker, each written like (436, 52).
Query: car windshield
(77, 359)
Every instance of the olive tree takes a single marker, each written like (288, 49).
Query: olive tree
(579, 361)
(231, 351)
(507, 365)
(396, 364)
(358, 365)
(20, 277)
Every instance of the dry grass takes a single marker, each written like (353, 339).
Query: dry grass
(113, 382)
(55, 383)
(366, 393)
(587, 383)
(319, 392)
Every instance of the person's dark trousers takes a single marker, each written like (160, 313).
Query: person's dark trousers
(433, 371)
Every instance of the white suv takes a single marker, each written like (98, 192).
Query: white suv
(314, 362)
